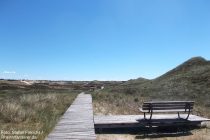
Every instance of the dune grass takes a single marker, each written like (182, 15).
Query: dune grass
(33, 111)
(107, 103)
(128, 102)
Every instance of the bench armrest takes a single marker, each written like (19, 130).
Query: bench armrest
(144, 111)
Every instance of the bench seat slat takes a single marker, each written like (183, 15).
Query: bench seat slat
(159, 102)
(148, 105)
(166, 108)
(168, 104)
(161, 111)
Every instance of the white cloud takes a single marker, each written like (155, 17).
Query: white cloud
(9, 72)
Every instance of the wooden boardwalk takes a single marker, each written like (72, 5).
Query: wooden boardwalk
(77, 122)
(123, 121)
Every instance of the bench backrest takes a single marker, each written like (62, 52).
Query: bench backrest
(168, 105)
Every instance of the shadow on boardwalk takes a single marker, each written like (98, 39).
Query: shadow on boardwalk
(155, 132)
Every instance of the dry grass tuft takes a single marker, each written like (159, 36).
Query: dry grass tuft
(34, 111)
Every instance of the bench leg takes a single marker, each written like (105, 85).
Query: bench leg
(149, 117)
(188, 114)
(179, 115)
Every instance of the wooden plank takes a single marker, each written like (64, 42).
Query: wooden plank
(163, 105)
(77, 122)
(161, 111)
(168, 102)
(166, 108)
(138, 120)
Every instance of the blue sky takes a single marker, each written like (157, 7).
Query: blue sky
(100, 39)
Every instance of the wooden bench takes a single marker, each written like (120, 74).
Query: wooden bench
(167, 106)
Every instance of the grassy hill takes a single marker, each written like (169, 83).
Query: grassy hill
(188, 81)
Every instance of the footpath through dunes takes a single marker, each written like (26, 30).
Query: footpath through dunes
(77, 122)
